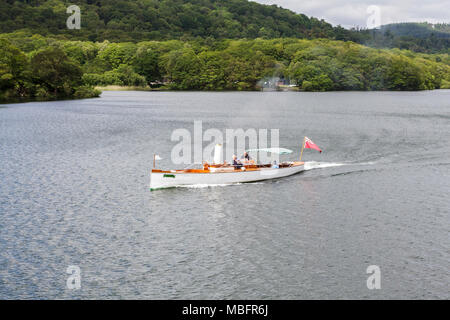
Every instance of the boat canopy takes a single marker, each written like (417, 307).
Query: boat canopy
(273, 150)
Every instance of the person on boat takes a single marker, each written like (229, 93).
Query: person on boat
(236, 163)
(246, 158)
(275, 165)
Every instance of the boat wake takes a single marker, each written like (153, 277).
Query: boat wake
(309, 165)
(201, 186)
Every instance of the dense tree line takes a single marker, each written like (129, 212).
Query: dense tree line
(419, 37)
(43, 66)
(141, 20)
(220, 45)
(420, 30)
(126, 20)
(47, 73)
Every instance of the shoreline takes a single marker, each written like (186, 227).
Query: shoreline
(129, 88)
(149, 89)
(280, 89)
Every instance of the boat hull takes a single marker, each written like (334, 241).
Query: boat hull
(167, 179)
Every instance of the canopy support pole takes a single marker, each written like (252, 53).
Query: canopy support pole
(303, 146)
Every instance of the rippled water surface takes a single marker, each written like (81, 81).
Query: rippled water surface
(74, 178)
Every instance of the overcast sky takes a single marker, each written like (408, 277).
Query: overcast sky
(352, 13)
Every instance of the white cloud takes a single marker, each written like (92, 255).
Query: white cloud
(352, 13)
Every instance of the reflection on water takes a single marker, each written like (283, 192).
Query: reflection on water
(74, 191)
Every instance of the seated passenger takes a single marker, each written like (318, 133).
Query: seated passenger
(236, 163)
(246, 158)
(275, 165)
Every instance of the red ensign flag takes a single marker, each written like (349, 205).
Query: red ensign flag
(311, 145)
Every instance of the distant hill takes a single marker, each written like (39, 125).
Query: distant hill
(133, 21)
(126, 20)
(417, 30)
(419, 37)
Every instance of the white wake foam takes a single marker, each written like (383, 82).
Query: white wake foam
(316, 165)
(200, 186)
(309, 165)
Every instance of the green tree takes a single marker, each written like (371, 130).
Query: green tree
(403, 74)
(14, 75)
(212, 76)
(146, 63)
(116, 54)
(55, 72)
(182, 68)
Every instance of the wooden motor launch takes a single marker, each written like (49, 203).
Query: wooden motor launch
(224, 173)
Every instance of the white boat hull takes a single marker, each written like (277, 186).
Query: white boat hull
(174, 178)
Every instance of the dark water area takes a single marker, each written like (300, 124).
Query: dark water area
(74, 190)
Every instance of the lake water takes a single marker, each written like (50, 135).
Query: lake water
(74, 190)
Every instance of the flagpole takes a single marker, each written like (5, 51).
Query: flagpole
(303, 146)
(154, 160)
